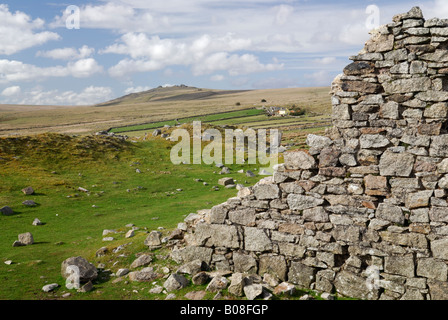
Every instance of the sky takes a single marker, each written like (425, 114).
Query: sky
(86, 52)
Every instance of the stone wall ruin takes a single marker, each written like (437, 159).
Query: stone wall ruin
(364, 212)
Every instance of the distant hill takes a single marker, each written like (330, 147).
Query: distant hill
(172, 93)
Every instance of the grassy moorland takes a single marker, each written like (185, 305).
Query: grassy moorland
(56, 166)
(157, 197)
(160, 104)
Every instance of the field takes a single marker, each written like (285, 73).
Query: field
(56, 166)
(160, 104)
(39, 149)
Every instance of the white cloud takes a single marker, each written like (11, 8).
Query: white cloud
(17, 31)
(325, 60)
(137, 89)
(217, 77)
(113, 16)
(319, 78)
(84, 68)
(11, 91)
(67, 53)
(37, 96)
(13, 70)
(234, 64)
(204, 54)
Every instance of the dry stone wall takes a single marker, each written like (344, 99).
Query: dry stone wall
(364, 212)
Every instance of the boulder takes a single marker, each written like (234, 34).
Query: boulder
(85, 270)
(175, 282)
(26, 238)
(28, 191)
(6, 211)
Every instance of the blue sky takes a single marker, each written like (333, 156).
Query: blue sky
(125, 46)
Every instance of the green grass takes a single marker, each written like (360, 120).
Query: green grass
(205, 119)
(56, 166)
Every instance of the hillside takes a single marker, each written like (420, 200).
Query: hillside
(158, 104)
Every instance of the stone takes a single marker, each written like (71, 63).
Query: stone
(129, 234)
(299, 160)
(266, 191)
(390, 213)
(190, 253)
(200, 278)
(274, 265)
(144, 275)
(396, 164)
(403, 266)
(437, 110)
(351, 285)
(316, 214)
(217, 235)
(432, 268)
(407, 85)
(301, 274)
(192, 267)
(359, 68)
(37, 222)
(217, 284)
(244, 263)
(302, 202)
(414, 13)
(237, 282)
(390, 110)
(418, 199)
(256, 240)
(28, 191)
(26, 238)
(439, 146)
(226, 181)
(329, 157)
(175, 282)
(29, 203)
(439, 249)
(243, 216)
(86, 287)
(122, 272)
(154, 239)
(6, 211)
(142, 261)
(285, 288)
(79, 266)
(252, 291)
(50, 287)
(438, 290)
(195, 295)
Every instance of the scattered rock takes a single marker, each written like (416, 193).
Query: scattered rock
(175, 282)
(145, 275)
(50, 287)
(195, 295)
(28, 191)
(86, 287)
(37, 222)
(122, 272)
(29, 203)
(26, 238)
(130, 234)
(154, 240)
(252, 291)
(84, 269)
(218, 283)
(226, 181)
(6, 211)
(141, 261)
